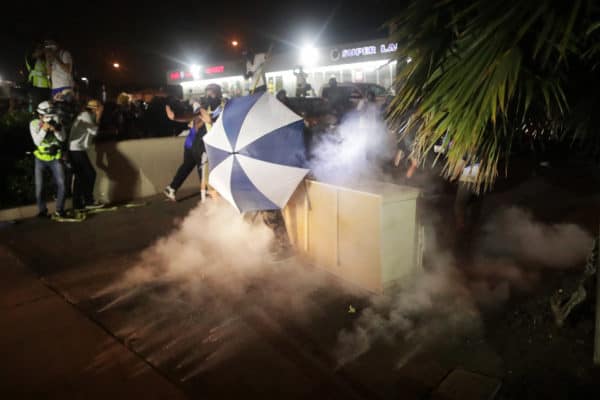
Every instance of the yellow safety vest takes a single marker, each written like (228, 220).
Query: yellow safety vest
(38, 76)
(42, 152)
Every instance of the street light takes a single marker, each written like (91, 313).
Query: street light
(308, 55)
(195, 70)
(116, 65)
(235, 43)
(83, 78)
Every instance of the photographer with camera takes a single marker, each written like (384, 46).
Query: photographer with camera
(84, 128)
(60, 68)
(48, 135)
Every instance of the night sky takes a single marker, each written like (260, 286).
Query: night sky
(148, 39)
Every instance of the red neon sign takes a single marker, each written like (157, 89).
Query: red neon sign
(180, 75)
(218, 69)
(177, 75)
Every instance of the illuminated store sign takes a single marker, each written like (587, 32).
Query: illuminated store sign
(359, 51)
(218, 69)
(188, 75)
(363, 51)
(388, 48)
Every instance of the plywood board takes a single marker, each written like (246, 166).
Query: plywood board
(359, 238)
(322, 226)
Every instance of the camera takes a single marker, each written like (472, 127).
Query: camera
(56, 126)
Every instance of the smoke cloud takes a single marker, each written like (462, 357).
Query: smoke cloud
(356, 150)
(445, 300)
(211, 243)
(196, 289)
(514, 233)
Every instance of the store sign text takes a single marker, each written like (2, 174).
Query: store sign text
(180, 75)
(359, 51)
(365, 51)
(389, 48)
(184, 75)
(218, 69)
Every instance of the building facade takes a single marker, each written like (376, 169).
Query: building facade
(369, 61)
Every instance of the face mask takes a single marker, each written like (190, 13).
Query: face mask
(214, 102)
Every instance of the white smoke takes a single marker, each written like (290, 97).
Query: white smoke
(514, 233)
(356, 150)
(446, 299)
(219, 263)
(213, 243)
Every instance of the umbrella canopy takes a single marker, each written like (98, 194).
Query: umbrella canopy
(256, 153)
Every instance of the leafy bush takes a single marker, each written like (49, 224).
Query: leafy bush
(16, 181)
(15, 139)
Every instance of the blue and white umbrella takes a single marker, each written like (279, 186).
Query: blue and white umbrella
(256, 153)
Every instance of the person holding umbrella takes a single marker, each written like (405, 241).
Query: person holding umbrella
(256, 158)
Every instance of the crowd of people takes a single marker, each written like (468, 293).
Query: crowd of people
(62, 148)
(63, 128)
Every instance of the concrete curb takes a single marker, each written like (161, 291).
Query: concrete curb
(11, 214)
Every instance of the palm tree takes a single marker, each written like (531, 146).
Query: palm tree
(483, 73)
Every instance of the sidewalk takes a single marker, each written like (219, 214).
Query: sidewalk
(48, 349)
(58, 340)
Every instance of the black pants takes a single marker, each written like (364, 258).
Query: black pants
(186, 167)
(274, 220)
(85, 178)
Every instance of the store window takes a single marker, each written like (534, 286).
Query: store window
(359, 76)
(384, 76)
(346, 75)
(318, 82)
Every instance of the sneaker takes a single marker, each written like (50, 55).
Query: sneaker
(170, 193)
(43, 214)
(59, 214)
(95, 205)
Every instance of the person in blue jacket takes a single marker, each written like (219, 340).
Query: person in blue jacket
(193, 149)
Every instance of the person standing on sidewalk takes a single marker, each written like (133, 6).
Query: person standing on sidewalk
(47, 135)
(84, 128)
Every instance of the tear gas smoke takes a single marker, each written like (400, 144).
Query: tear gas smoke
(212, 241)
(444, 301)
(514, 233)
(356, 150)
(195, 289)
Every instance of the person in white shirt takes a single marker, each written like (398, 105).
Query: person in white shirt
(48, 134)
(60, 68)
(84, 129)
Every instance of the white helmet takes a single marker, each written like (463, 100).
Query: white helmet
(44, 108)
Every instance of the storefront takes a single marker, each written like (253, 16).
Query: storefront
(369, 61)
(229, 75)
